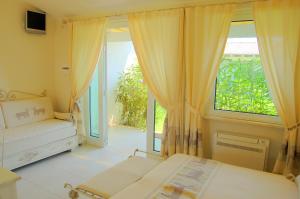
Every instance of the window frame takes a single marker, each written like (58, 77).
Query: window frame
(260, 119)
(268, 120)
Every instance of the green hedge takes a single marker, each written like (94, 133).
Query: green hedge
(131, 92)
(241, 86)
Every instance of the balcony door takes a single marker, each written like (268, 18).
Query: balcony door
(96, 101)
(119, 101)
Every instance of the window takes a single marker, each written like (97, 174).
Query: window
(241, 85)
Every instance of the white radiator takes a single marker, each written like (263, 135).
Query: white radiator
(240, 150)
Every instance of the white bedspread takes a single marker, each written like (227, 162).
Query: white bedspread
(225, 182)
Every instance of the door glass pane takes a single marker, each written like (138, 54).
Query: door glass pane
(94, 105)
(159, 114)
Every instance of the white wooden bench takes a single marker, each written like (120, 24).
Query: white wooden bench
(113, 180)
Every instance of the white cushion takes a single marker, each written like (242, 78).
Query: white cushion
(2, 124)
(36, 134)
(20, 112)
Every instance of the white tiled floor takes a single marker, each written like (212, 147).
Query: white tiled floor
(45, 179)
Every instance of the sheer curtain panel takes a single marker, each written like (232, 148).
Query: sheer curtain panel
(278, 31)
(158, 40)
(206, 31)
(87, 42)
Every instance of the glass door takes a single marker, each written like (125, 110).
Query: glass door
(96, 102)
(122, 112)
(126, 92)
(155, 122)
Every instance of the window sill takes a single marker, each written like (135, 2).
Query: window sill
(258, 121)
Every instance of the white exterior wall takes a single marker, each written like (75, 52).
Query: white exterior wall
(119, 55)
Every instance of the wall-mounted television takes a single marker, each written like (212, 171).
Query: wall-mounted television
(35, 22)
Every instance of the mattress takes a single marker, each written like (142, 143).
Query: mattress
(222, 181)
(36, 134)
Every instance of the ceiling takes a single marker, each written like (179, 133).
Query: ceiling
(71, 8)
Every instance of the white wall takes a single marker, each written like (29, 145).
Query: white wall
(26, 60)
(62, 80)
(117, 55)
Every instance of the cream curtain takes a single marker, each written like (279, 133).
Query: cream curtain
(158, 40)
(278, 31)
(206, 31)
(87, 42)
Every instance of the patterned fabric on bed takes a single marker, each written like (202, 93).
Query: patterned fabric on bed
(189, 181)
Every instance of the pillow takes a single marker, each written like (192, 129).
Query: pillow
(20, 112)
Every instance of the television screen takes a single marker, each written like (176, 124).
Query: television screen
(35, 22)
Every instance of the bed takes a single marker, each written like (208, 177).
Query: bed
(184, 177)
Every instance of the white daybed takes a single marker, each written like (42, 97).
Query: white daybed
(186, 177)
(29, 132)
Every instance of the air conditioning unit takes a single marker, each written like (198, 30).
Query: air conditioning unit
(241, 150)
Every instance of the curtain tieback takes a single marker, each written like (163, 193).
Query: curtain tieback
(75, 110)
(296, 126)
(76, 107)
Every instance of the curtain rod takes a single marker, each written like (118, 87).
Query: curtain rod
(163, 9)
